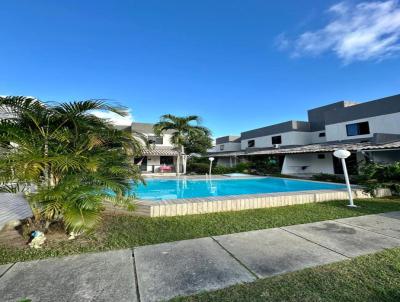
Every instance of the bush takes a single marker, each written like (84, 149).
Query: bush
(222, 170)
(261, 166)
(374, 175)
(242, 167)
(328, 178)
(198, 168)
(265, 166)
(203, 168)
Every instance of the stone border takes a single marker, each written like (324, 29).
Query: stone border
(192, 206)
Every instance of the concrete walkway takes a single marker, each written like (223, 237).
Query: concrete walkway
(163, 271)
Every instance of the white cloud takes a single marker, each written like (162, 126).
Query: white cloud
(356, 32)
(282, 42)
(114, 118)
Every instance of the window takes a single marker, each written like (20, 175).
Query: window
(158, 140)
(221, 147)
(357, 129)
(251, 143)
(322, 134)
(276, 140)
(321, 156)
(166, 160)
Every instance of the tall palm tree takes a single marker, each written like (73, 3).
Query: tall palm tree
(75, 159)
(183, 128)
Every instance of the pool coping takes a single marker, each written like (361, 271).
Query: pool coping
(216, 204)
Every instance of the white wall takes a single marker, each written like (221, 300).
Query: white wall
(315, 139)
(227, 147)
(293, 164)
(388, 123)
(155, 161)
(225, 161)
(166, 139)
(288, 138)
(152, 161)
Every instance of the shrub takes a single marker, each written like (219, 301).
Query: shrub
(203, 168)
(265, 166)
(222, 170)
(328, 178)
(242, 167)
(374, 175)
(198, 168)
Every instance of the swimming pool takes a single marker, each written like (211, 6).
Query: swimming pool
(166, 189)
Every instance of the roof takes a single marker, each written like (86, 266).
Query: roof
(123, 127)
(315, 148)
(228, 139)
(160, 151)
(276, 129)
(387, 105)
(328, 148)
(146, 128)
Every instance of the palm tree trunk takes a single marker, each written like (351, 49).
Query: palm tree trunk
(177, 164)
(46, 167)
(183, 159)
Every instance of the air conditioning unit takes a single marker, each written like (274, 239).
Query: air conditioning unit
(276, 146)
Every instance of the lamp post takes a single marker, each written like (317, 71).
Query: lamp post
(211, 159)
(342, 155)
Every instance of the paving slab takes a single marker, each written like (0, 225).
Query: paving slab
(184, 268)
(107, 276)
(4, 268)
(275, 251)
(394, 215)
(345, 239)
(380, 223)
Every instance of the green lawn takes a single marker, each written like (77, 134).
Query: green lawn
(117, 232)
(368, 278)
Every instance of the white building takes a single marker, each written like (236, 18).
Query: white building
(160, 156)
(371, 130)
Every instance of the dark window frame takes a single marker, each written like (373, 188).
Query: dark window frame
(167, 160)
(222, 147)
(276, 140)
(251, 143)
(322, 134)
(355, 129)
(154, 139)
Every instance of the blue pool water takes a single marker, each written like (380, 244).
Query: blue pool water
(162, 189)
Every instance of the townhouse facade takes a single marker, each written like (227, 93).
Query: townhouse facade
(160, 156)
(370, 130)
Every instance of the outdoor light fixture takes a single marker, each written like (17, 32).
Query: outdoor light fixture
(343, 154)
(211, 159)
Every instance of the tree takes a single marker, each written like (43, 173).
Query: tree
(73, 158)
(198, 143)
(183, 128)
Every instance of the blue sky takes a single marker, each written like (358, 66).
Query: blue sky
(238, 64)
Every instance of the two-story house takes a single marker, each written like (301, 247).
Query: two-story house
(370, 130)
(160, 156)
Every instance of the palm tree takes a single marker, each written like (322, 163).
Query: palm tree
(183, 128)
(74, 159)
